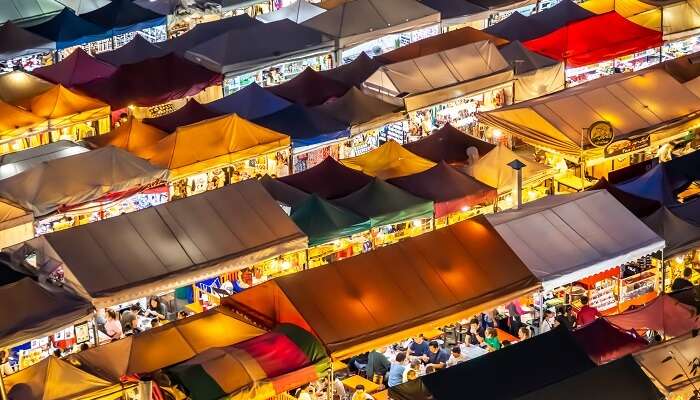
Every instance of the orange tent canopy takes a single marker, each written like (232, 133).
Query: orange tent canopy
(60, 102)
(213, 143)
(133, 136)
(390, 160)
(14, 118)
(394, 292)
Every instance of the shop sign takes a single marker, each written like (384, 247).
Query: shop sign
(82, 333)
(625, 146)
(600, 133)
(160, 110)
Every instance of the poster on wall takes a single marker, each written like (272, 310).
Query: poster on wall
(82, 333)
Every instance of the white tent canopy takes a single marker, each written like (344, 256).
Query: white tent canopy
(563, 239)
(535, 74)
(14, 163)
(298, 12)
(442, 76)
(493, 169)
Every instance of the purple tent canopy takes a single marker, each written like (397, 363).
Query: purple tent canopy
(251, 102)
(77, 68)
(137, 50)
(448, 144)
(354, 73)
(656, 184)
(18, 42)
(123, 16)
(329, 179)
(151, 82)
(310, 88)
(190, 113)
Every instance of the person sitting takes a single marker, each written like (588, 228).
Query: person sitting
(548, 322)
(130, 316)
(411, 375)
(113, 327)
(475, 333)
(414, 366)
(360, 393)
(567, 318)
(586, 314)
(492, 340)
(418, 347)
(523, 333)
(157, 308)
(377, 365)
(456, 357)
(437, 357)
(683, 282)
(397, 369)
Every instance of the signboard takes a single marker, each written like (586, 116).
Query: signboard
(625, 146)
(600, 134)
(161, 110)
(82, 333)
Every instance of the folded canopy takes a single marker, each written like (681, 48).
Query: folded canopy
(133, 136)
(304, 125)
(413, 288)
(329, 179)
(639, 206)
(77, 68)
(448, 144)
(386, 204)
(673, 374)
(355, 72)
(166, 345)
(18, 86)
(390, 160)
(605, 342)
(286, 194)
(450, 189)
(137, 50)
(68, 30)
(356, 108)
(563, 239)
(595, 39)
(205, 31)
(664, 314)
(309, 88)
(547, 364)
(262, 367)
(679, 235)
(191, 113)
(62, 106)
(493, 169)
(123, 16)
(535, 74)
(14, 163)
(251, 102)
(78, 179)
(214, 143)
(16, 121)
(298, 12)
(323, 221)
(151, 82)
(18, 42)
(172, 245)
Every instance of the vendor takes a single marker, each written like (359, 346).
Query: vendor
(586, 314)
(683, 282)
(156, 308)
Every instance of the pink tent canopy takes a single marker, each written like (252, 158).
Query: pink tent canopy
(604, 342)
(664, 314)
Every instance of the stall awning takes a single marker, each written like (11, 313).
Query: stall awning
(305, 126)
(68, 30)
(18, 86)
(679, 235)
(137, 50)
(123, 16)
(355, 72)
(323, 221)
(604, 342)
(309, 88)
(396, 291)
(251, 102)
(214, 143)
(666, 370)
(493, 169)
(356, 108)
(565, 238)
(79, 67)
(358, 21)
(16, 121)
(448, 144)
(664, 314)
(16, 224)
(679, 18)
(390, 160)
(329, 179)
(172, 245)
(535, 74)
(133, 136)
(14, 163)
(18, 42)
(516, 27)
(191, 113)
(63, 107)
(689, 211)
(639, 206)
(298, 12)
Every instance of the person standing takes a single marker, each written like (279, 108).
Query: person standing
(683, 282)
(586, 314)
(549, 322)
(113, 327)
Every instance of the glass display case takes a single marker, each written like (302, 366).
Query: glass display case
(638, 285)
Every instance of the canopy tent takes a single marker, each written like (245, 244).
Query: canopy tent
(165, 345)
(251, 102)
(535, 74)
(78, 179)
(385, 204)
(448, 144)
(563, 239)
(390, 160)
(413, 289)
(355, 72)
(133, 136)
(63, 107)
(442, 76)
(77, 68)
(234, 52)
(329, 179)
(18, 42)
(298, 12)
(35, 309)
(16, 224)
(309, 88)
(214, 143)
(84, 6)
(656, 184)
(137, 50)
(16, 121)
(664, 314)
(595, 39)
(450, 189)
(560, 15)
(55, 379)
(648, 101)
(622, 379)
(15, 163)
(679, 235)
(604, 342)
(438, 43)
(323, 222)
(123, 16)
(285, 194)
(163, 7)
(205, 31)
(684, 169)
(517, 27)
(172, 245)
(68, 30)
(305, 126)
(356, 108)
(689, 211)
(357, 21)
(24, 10)
(191, 113)
(639, 206)
(548, 363)
(262, 367)
(670, 364)
(679, 18)
(454, 12)
(493, 169)
(18, 86)
(151, 82)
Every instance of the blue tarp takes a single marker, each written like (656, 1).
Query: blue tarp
(305, 126)
(68, 30)
(123, 16)
(137, 50)
(656, 184)
(251, 102)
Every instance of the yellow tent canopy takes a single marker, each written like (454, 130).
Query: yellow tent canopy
(18, 86)
(15, 121)
(390, 160)
(133, 136)
(678, 17)
(494, 171)
(16, 224)
(63, 107)
(213, 143)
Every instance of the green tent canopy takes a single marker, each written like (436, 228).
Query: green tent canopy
(385, 204)
(323, 221)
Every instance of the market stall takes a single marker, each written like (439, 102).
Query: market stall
(16, 124)
(125, 19)
(535, 74)
(21, 49)
(251, 102)
(17, 87)
(671, 365)
(299, 11)
(482, 273)
(133, 136)
(180, 43)
(217, 152)
(390, 160)
(329, 179)
(586, 239)
(191, 113)
(450, 145)
(198, 238)
(138, 49)
(79, 67)
(309, 88)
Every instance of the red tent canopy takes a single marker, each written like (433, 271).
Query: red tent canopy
(664, 314)
(605, 342)
(592, 40)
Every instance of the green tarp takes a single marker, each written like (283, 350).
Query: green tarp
(323, 221)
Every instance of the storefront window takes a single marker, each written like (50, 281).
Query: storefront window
(390, 42)
(674, 267)
(67, 340)
(307, 159)
(92, 48)
(390, 234)
(27, 63)
(681, 47)
(154, 35)
(339, 249)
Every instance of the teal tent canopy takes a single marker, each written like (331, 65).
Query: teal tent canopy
(323, 221)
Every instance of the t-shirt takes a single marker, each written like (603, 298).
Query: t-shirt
(114, 329)
(455, 360)
(472, 337)
(418, 349)
(396, 374)
(439, 357)
(680, 284)
(493, 342)
(586, 315)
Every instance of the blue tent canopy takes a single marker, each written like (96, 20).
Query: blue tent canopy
(656, 184)
(305, 126)
(251, 102)
(68, 30)
(123, 16)
(137, 50)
